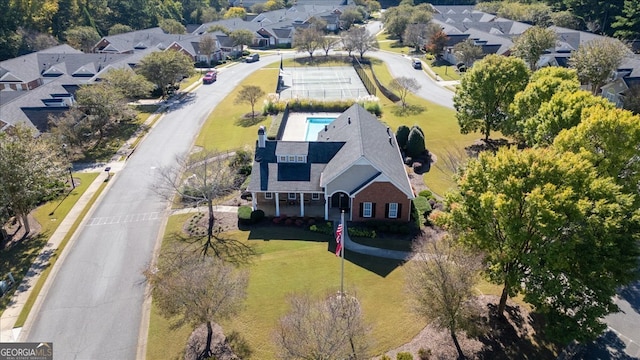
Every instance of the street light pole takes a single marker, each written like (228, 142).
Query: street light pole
(66, 155)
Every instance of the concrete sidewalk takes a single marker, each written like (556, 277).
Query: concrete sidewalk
(10, 315)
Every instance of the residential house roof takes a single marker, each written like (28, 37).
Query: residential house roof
(355, 137)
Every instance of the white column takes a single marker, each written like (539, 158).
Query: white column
(301, 204)
(254, 201)
(326, 207)
(350, 208)
(277, 199)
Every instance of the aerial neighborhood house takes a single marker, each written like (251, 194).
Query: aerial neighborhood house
(40, 84)
(495, 35)
(355, 165)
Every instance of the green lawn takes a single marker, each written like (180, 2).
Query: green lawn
(445, 71)
(442, 133)
(225, 129)
(388, 43)
(288, 264)
(20, 257)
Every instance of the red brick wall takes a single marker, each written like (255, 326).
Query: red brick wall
(380, 194)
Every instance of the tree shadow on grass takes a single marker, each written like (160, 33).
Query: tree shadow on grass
(18, 258)
(247, 120)
(220, 246)
(407, 110)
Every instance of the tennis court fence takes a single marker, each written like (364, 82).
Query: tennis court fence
(325, 94)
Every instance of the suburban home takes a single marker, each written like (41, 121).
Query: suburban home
(355, 166)
(35, 86)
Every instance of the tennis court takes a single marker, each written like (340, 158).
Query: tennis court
(322, 83)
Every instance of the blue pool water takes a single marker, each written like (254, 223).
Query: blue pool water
(314, 126)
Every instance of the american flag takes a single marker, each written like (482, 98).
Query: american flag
(338, 239)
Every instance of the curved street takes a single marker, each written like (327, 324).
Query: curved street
(93, 306)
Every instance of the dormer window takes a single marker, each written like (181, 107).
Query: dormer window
(292, 159)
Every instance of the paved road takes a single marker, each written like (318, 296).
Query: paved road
(93, 308)
(429, 89)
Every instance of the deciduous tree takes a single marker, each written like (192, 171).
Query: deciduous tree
(467, 52)
(440, 279)
(404, 86)
(235, 12)
(250, 94)
(543, 84)
(562, 111)
(171, 26)
(415, 35)
(30, 170)
(481, 104)
(202, 179)
(307, 40)
(328, 42)
(189, 289)
(165, 68)
(242, 37)
(596, 61)
(610, 139)
(131, 85)
(82, 37)
(351, 16)
(119, 29)
(207, 46)
(333, 328)
(533, 43)
(362, 40)
(552, 228)
(103, 107)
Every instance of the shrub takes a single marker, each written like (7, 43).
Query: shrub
(424, 354)
(361, 232)
(426, 193)
(402, 135)
(373, 107)
(404, 356)
(257, 216)
(415, 142)
(422, 204)
(288, 222)
(244, 214)
(322, 228)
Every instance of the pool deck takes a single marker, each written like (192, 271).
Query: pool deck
(296, 129)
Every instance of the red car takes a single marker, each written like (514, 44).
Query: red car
(210, 77)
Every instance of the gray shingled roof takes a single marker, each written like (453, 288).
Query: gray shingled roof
(142, 39)
(30, 107)
(365, 137)
(355, 135)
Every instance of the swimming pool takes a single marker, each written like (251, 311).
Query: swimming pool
(315, 125)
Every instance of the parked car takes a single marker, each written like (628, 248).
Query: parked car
(210, 77)
(417, 64)
(252, 58)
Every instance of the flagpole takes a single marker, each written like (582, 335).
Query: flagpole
(344, 229)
